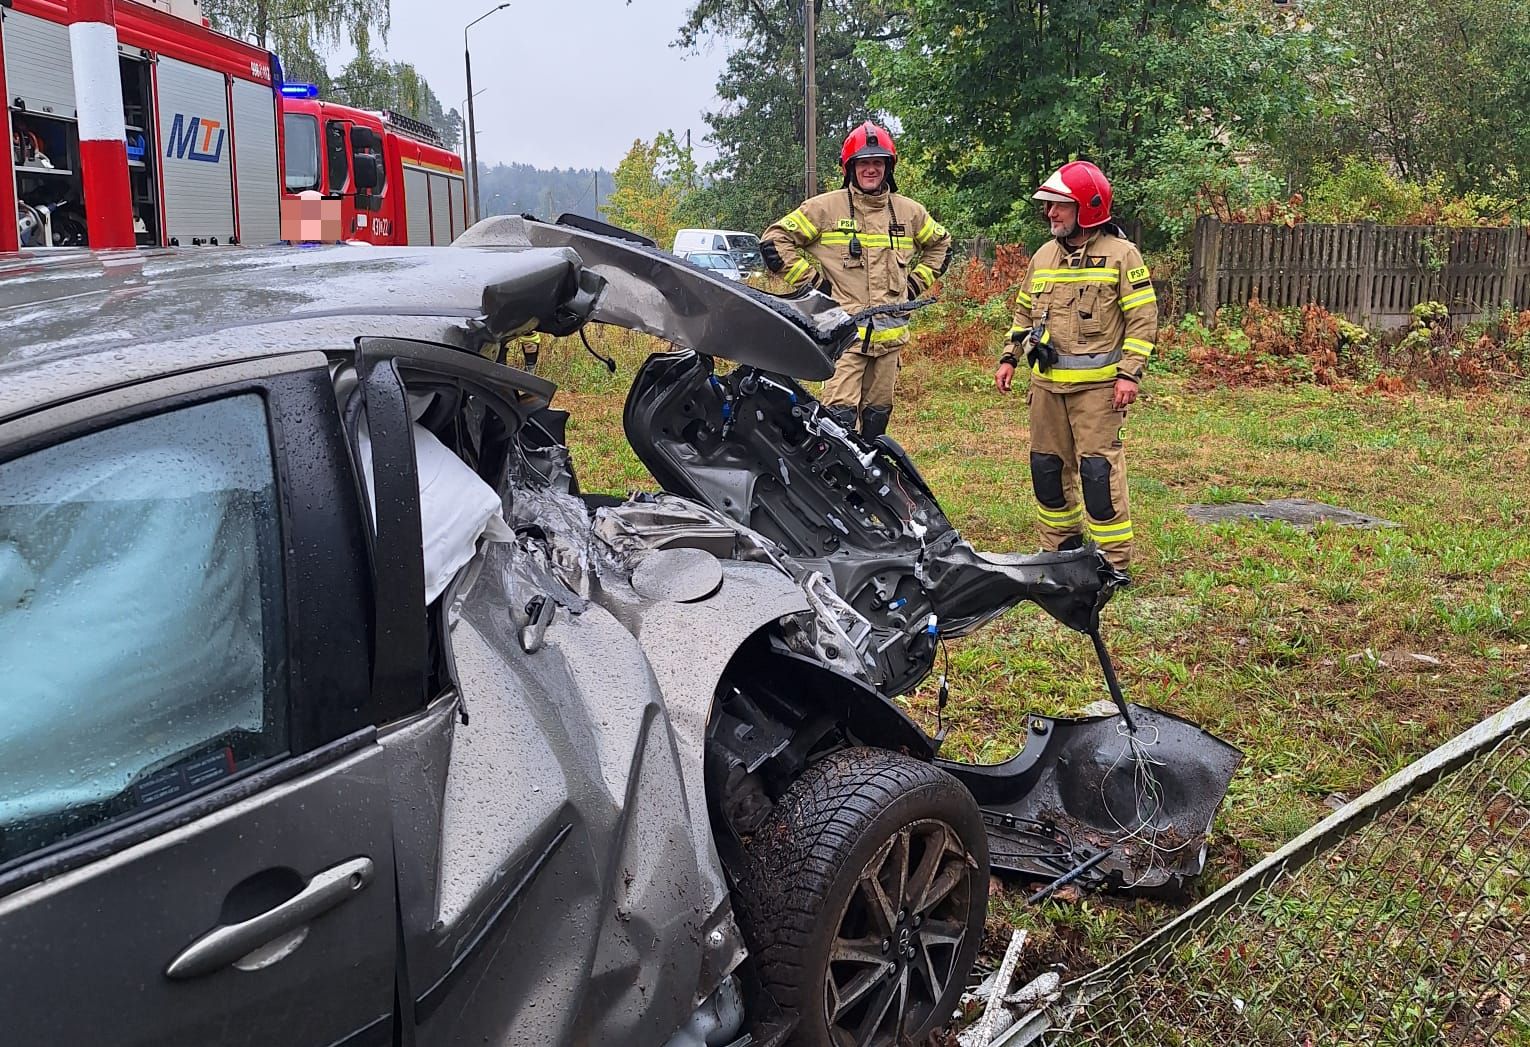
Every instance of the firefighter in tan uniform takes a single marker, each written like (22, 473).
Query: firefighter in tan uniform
(1085, 322)
(863, 245)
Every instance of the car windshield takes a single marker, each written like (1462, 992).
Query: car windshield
(301, 151)
(746, 249)
(712, 260)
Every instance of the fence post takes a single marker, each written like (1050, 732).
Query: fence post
(1212, 244)
(1367, 296)
(1513, 266)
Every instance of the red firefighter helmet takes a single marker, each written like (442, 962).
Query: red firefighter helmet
(867, 142)
(1082, 183)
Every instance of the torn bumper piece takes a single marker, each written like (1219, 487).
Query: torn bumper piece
(1077, 789)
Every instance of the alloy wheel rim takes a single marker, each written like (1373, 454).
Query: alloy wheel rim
(897, 941)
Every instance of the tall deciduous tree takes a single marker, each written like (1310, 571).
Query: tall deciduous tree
(369, 81)
(759, 129)
(994, 94)
(301, 31)
(649, 187)
(1438, 87)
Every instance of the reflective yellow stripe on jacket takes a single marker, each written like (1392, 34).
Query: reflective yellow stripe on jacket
(1091, 374)
(798, 270)
(1094, 275)
(799, 222)
(883, 334)
(930, 230)
(1138, 298)
(836, 236)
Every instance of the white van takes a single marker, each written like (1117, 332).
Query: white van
(744, 247)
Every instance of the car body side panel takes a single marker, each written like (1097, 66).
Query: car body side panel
(571, 895)
(689, 646)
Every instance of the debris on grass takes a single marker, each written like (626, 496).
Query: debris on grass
(1298, 512)
(996, 1018)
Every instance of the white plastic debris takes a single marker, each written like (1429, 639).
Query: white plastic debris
(995, 1017)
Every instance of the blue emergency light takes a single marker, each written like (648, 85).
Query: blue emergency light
(300, 90)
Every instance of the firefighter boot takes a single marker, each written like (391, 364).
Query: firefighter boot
(843, 416)
(874, 421)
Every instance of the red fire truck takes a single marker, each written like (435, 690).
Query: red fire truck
(136, 123)
(396, 181)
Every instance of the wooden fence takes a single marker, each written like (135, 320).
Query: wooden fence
(1372, 274)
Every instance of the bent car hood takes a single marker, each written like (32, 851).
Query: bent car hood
(657, 293)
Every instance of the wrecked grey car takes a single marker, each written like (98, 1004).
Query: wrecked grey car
(334, 712)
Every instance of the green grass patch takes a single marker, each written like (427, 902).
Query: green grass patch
(1293, 645)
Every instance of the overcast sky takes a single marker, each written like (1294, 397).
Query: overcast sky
(565, 84)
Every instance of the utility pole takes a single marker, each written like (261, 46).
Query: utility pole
(597, 192)
(550, 215)
(472, 127)
(810, 100)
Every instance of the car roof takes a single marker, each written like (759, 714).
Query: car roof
(76, 322)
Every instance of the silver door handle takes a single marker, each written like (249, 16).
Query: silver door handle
(228, 942)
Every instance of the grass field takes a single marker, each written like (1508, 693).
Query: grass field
(1296, 646)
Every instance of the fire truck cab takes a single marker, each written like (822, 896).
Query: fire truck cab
(202, 122)
(396, 181)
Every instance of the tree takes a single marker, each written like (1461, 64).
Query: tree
(758, 130)
(648, 188)
(300, 31)
(994, 94)
(371, 82)
(1438, 86)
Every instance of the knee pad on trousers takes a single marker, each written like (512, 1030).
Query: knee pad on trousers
(844, 417)
(874, 421)
(1073, 541)
(1046, 480)
(1095, 473)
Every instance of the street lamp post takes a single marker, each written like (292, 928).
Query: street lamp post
(461, 109)
(467, 59)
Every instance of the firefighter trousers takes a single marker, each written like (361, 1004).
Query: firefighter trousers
(862, 381)
(1077, 449)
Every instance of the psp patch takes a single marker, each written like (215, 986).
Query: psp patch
(1138, 276)
(1038, 285)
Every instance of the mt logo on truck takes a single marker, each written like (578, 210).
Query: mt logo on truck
(183, 146)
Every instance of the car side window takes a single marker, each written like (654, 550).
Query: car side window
(337, 156)
(141, 619)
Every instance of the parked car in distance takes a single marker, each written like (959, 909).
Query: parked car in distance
(744, 247)
(719, 262)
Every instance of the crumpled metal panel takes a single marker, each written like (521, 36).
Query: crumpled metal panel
(660, 294)
(590, 839)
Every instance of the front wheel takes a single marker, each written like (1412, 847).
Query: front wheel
(863, 898)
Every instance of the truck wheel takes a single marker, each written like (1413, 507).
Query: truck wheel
(863, 898)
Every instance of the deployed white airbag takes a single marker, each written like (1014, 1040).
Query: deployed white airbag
(455, 506)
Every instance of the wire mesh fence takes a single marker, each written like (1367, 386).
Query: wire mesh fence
(1404, 919)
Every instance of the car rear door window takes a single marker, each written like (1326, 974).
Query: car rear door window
(141, 621)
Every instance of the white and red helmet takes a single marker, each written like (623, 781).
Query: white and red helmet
(1082, 183)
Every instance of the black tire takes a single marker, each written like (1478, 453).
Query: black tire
(810, 906)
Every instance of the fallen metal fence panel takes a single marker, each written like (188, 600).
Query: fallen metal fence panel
(1402, 919)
